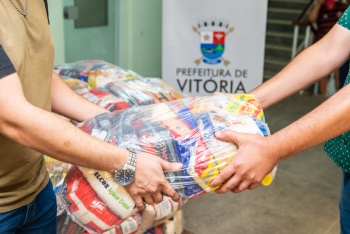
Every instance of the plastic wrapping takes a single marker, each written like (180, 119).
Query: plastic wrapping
(65, 225)
(88, 209)
(98, 204)
(129, 226)
(184, 131)
(76, 85)
(155, 87)
(118, 95)
(141, 92)
(176, 131)
(96, 73)
(126, 89)
(103, 98)
(156, 214)
(57, 171)
(173, 225)
(112, 87)
(134, 97)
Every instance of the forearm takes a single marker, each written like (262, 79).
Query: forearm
(53, 136)
(293, 78)
(325, 122)
(312, 64)
(69, 104)
(50, 134)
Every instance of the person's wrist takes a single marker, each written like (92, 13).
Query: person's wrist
(120, 159)
(273, 144)
(126, 174)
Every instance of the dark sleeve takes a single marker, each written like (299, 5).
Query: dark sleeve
(6, 66)
(47, 11)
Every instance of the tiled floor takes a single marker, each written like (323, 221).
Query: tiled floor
(303, 199)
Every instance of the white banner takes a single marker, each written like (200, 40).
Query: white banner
(213, 46)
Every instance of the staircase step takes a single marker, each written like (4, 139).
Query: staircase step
(283, 26)
(273, 60)
(274, 65)
(280, 32)
(294, 4)
(278, 51)
(268, 75)
(283, 14)
(278, 38)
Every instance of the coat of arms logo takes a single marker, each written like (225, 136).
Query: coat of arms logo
(212, 40)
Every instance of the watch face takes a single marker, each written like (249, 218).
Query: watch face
(124, 176)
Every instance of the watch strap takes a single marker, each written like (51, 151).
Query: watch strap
(131, 164)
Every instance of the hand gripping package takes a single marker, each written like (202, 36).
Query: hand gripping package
(176, 131)
(100, 205)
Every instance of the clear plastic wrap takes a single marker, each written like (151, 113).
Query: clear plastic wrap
(118, 95)
(96, 73)
(176, 131)
(103, 98)
(82, 197)
(65, 225)
(172, 225)
(129, 226)
(88, 209)
(57, 171)
(134, 97)
(98, 204)
(155, 87)
(141, 92)
(157, 214)
(78, 86)
(184, 131)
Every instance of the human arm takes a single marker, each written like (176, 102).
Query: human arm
(68, 103)
(50, 134)
(258, 155)
(317, 61)
(313, 15)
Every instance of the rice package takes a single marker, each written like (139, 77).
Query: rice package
(99, 204)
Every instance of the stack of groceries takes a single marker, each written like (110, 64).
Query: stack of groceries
(146, 115)
(112, 87)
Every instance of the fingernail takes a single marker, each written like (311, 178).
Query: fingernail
(218, 134)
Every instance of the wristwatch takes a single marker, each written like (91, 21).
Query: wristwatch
(126, 174)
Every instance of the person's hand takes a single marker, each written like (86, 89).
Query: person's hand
(150, 183)
(249, 166)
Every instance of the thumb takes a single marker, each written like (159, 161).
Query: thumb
(228, 135)
(168, 166)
